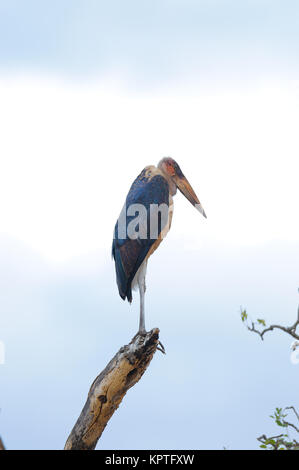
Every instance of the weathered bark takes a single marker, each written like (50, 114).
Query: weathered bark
(108, 389)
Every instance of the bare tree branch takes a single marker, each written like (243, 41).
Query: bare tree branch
(297, 416)
(1, 445)
(295, 411)
(291, 330)
(108, 389)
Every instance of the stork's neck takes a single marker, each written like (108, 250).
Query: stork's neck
(171, 183)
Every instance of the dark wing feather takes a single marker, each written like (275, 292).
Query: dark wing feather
(128, 253)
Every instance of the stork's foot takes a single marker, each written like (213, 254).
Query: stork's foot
(142, 332)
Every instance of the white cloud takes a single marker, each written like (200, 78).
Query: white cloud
(70, 152)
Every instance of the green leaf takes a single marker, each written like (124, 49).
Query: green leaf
(244, 315)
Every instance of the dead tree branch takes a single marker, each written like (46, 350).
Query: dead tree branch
(108, 389)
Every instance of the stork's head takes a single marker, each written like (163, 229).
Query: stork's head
(176, 179)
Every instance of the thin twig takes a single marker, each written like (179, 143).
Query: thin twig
(295, 411)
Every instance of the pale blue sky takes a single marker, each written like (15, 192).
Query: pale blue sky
(217, 384)
(151, 43)
(90, 93)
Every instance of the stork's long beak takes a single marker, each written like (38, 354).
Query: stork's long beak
(186, 189)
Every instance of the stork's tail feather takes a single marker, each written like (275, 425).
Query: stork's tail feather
(124, 288)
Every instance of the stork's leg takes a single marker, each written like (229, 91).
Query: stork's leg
(141, 284)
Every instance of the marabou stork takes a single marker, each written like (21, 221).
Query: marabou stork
(153, 188)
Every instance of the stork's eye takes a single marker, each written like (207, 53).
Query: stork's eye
(170, 169)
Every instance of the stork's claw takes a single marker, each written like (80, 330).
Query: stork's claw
(162, 349)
